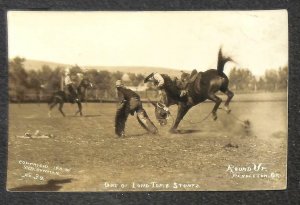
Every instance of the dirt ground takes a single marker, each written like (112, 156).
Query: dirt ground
(83, 154)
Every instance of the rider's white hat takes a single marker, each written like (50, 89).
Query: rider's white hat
(119, 83)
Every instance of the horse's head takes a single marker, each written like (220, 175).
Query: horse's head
(162, 113)
(83, 86)
(86, 83)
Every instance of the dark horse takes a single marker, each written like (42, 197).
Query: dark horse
(202, 88)
(60, 97)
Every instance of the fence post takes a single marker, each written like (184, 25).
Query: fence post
(61, 82)
(85, 96)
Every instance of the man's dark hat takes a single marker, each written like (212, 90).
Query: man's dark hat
(148, 77)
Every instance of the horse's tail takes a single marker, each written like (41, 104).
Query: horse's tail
(222, 60)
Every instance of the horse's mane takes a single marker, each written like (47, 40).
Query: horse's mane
(167, 77)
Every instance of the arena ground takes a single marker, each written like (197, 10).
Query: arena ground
(83, 154)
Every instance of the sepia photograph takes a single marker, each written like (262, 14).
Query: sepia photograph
(103, 101)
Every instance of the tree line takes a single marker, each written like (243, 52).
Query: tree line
(244, 81)
(47, 80)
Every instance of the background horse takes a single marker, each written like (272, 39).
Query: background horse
(60, 97)
(202, 88)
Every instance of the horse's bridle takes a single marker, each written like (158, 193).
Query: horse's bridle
(165, 108)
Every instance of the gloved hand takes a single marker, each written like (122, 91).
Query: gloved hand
(183, 93)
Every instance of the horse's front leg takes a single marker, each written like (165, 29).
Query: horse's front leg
(182, 110)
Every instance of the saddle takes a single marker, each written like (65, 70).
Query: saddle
(189, 81)
(197, 81)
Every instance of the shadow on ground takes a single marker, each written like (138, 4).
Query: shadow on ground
(52, 185)
(189, 131)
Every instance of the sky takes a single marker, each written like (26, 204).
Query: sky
(185, 40)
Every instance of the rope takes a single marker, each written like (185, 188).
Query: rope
(199, 122)
(244, 122)
(234, 116)
(149, 100)
(173, 120)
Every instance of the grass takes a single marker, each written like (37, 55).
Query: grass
(199, 155)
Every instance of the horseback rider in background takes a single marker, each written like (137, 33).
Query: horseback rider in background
(76, 86)
(130, 103)
(70, 84)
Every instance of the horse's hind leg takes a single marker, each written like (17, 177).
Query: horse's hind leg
(79, 109)
(229, 97)
(61, 104)
(218, 101)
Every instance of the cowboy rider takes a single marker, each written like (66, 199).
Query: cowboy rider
(133, 104)
(127, 95)
(186, 79)
(70, 84)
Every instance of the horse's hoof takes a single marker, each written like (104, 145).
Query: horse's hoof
(227, 109)
(174, 131)
(122, 134)
(49, 114)
(214, 117)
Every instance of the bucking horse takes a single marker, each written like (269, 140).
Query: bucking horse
(203, 87)
(61, 97)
